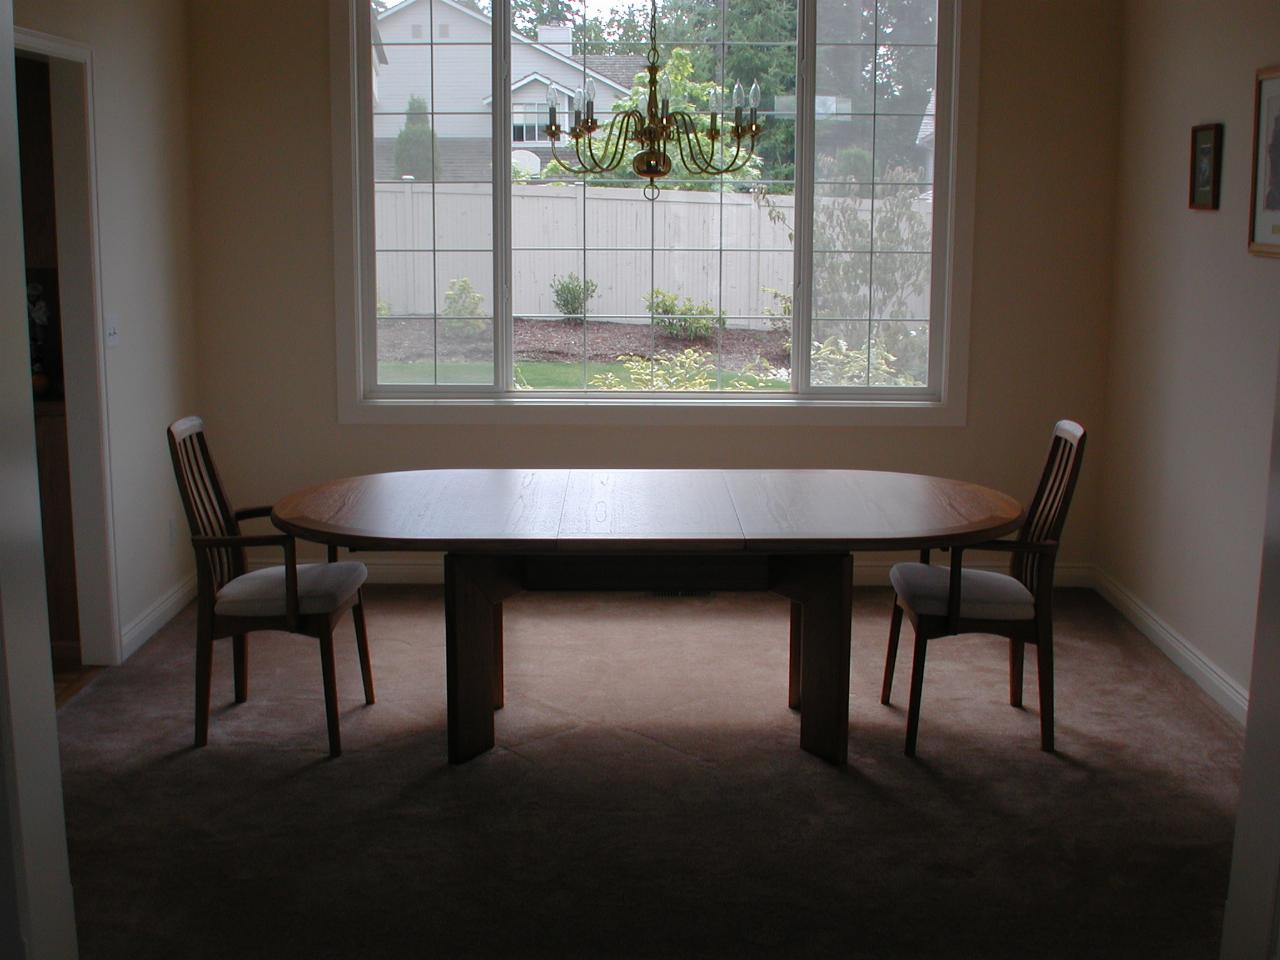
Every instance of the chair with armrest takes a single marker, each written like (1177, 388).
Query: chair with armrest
(307, 598)
(941, 602)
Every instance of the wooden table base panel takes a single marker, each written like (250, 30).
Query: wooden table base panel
(822, 588)
(474, 590)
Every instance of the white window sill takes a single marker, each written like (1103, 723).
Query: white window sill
(553, 411)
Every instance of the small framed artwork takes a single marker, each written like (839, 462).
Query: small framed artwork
(1206, 166)
(1264, 217)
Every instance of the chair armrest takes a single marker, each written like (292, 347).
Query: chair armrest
(282, 540)
(249, 513)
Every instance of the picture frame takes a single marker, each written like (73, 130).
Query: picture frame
(1264, 213)
(1206, 166)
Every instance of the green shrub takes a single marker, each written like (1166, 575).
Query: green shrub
(683, 318)
(463, 310)
(571, 295)
(690, 369)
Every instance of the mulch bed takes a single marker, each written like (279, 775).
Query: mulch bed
(559, 341)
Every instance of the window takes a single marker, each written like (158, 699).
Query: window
(528, 120)
(826, 271)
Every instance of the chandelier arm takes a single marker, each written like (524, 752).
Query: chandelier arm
(702, 163)
(613, 147)
(568, 168)
(697, 159)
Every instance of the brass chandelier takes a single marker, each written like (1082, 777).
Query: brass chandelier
(656, 130)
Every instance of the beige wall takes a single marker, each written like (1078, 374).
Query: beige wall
(1195, 332)
(261, 177)
(140, 50)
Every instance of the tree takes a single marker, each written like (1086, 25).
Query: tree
(416, 143)
(528, 15)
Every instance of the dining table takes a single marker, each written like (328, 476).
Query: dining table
(793, 532)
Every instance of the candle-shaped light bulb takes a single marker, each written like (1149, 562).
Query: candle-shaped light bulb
(714, 103)
(664, 93)
(579, 99)
(739, 98)
(591, 90)
(754, 99)
(551, 97)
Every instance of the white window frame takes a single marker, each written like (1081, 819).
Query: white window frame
(362, 400)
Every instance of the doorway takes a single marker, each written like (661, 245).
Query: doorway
(69, 388)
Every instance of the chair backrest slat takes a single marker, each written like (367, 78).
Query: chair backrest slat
(209, 512)
(1048, 511)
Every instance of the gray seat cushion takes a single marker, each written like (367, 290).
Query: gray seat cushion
(984, 595)
(322, 588)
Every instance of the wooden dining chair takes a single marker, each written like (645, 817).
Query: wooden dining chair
(941, 602)
(232, 601)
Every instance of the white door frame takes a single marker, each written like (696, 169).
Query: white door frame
(36, 885)
(88, 427)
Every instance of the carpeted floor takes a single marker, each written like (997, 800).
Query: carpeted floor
(648, 797)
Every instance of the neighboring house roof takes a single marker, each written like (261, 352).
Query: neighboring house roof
(531, 78)
(593, 65)
(620, 68)
(928, 122)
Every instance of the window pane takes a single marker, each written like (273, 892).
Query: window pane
(907, 21)
(406, 350)
(846, 21)
(902, 352)
(845, 81)
(839, 354)
(904, 219)
(465, 350)
(406, 284)
(464, 216)
(873, 196)
(549, 353)
(900, 286)
(548, 283)
(433, 196)
(840, 285)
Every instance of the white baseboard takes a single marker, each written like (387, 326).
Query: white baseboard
(1208, 675)
(143, 627)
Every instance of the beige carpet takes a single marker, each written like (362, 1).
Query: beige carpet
(648, 797)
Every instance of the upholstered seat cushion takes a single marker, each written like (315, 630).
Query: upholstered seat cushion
(984, 595)
(322, 588)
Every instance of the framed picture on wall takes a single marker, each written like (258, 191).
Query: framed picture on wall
(1206, 166)
(1264, 218)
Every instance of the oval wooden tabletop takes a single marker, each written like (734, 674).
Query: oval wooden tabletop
(530, 511)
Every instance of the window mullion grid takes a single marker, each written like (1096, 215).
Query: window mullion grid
(367, 255)
(503, 321)
(802, 284)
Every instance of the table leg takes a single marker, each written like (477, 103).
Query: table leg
(473, 591)
(822, 588)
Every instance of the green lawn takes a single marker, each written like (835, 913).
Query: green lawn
(538, 374)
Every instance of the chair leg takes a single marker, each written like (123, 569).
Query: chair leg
(240, 654)
(917, 688)
(362, 646)
(204, 680)
(795, 670)
(891, 655)
(1044, 670)
(330, 692)
(1017, 654)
